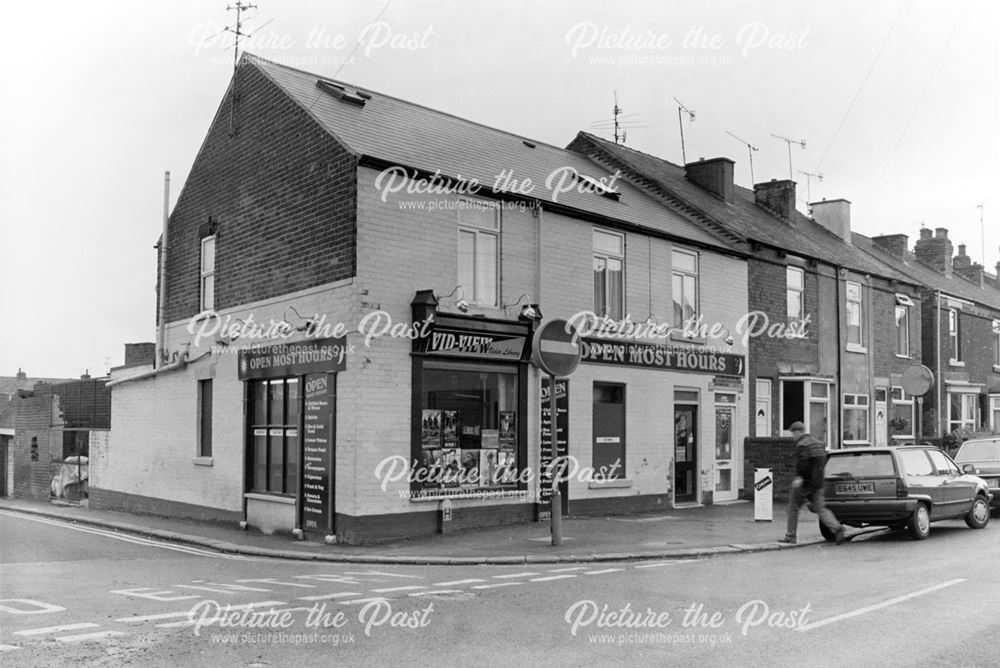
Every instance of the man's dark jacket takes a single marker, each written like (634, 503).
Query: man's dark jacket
(810, 460)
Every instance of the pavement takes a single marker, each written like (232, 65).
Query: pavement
(676, 533)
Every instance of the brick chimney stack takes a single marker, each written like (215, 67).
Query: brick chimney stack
(714, 175)
(778, 197)
(935, 251)
(893, 244)
(835, 216)
(966, 268)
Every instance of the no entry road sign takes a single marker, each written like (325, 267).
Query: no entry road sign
(554, 348)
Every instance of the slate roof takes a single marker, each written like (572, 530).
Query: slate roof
(800, 235)
(410, 135)
(956, 286)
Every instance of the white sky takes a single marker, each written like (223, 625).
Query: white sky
(100, 98)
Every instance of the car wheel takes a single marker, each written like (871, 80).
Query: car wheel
(979, 514)
(920, 523)
(827, 534)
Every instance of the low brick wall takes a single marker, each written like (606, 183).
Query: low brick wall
(769, 453)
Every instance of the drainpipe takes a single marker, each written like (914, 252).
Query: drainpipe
(937, 346)
(161, 316)
(179, 363)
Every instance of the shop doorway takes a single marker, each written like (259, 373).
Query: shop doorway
(685, 449)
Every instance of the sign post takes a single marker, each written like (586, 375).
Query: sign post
(763, 495)
(556, 351)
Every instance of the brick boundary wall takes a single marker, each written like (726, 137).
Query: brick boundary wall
(768, 453)
(105, 499)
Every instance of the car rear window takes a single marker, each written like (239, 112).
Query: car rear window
(982, 450)
(861, 465)
(916, 463)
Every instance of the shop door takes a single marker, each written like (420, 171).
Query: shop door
(3, 466)
(685, 453)
(725, 423)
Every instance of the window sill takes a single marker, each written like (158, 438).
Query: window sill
(855, 348)
(956, 363)
(203, 461)
(272, 498)
(609, 484)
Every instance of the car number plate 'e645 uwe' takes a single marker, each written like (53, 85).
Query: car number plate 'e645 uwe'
(855, 488)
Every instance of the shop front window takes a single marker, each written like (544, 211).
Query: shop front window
(274, 421)
(468, 426)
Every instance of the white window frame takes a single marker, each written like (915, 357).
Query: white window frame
(856, 402)
(859, 303)
(207, 273)
(474, 289)
(962, 423)
(685, 275)
(796, 293)
(996, 345)
(808, 401)
(905, 310)
(955, 338)
(904, 400)
(604, 256)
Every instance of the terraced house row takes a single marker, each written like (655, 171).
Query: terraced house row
(350, 283)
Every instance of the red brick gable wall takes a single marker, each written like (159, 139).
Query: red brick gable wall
(282, 193)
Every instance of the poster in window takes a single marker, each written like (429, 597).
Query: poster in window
(491, 438)
(433, 467)
(449, 430)
(506, 471)
(508, 425)
(430, 429)
(450, 467)
(470, 468)
(487, 467)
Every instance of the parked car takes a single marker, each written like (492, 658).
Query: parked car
(981, 457)
(902, 487)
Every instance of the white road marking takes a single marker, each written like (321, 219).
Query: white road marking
(174, 615)
(278, 582)
(567, 570)
(135, 540)
(323, 597)
(458, 582)
(515, 575)
(498, 584)
(553, 577)
(57, 629)
(602, 572)
(386, 590)
(99, 635)
(674, 562)
(878, 606)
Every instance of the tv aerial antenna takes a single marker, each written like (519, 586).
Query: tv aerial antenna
(681, 110)
(789, 142)
(982, 230)
(619, 123)
(809, 177)
(750, 149)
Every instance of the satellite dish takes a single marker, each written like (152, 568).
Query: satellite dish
(917, 380)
